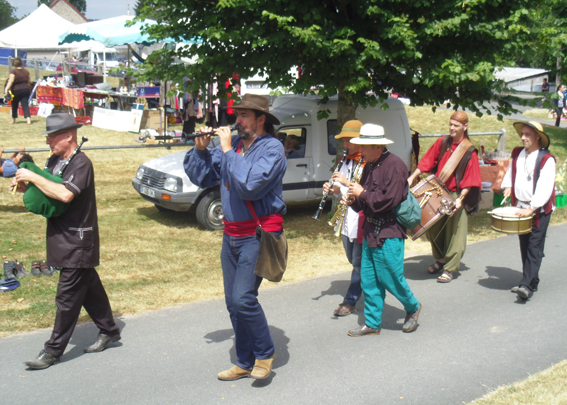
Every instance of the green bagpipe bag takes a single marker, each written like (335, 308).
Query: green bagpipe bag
(37, 202)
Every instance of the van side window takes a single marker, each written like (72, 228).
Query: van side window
(332, 130)
(294, 141)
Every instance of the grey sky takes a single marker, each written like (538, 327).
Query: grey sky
(96, 9)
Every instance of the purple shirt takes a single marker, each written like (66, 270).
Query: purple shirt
(385, 186)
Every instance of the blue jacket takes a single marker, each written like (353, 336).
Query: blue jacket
(257, 176)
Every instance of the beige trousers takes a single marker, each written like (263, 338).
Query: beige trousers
(448, 238)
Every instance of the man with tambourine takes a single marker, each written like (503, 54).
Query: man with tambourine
(530, 185)
(72, 238)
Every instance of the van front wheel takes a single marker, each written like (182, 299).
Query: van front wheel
(209, 211)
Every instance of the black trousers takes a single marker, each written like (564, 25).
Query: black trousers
(79, 288)
(559, 112)
(21, 96)
(531, 246)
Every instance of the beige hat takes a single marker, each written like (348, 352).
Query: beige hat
(351, 129)
(371, 134)
(536, 126)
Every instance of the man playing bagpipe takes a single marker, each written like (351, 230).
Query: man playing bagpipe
(72, 239)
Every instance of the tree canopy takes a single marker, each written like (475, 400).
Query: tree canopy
(7, 14)
(435, 52)
(80, 5)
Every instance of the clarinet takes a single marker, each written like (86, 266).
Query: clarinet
(317, 215)
(198, 134)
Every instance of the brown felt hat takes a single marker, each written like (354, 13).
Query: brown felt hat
(257, 103)
(351, 129)
(536, 126)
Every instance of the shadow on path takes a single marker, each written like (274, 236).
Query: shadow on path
(500, 278)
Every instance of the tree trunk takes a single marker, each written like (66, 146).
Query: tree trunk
(346, 109)
(558, 75)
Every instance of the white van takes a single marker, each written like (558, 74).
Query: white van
(164, 183)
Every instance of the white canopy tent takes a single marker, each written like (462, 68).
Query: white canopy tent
(39, 30)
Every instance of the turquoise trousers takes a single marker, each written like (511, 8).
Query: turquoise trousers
(382, 270)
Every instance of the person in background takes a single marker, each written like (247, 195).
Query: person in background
(9, 167)
(559, 102)
(20, 85)
(545, 86)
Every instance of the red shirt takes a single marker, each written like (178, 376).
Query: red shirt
(471, 178)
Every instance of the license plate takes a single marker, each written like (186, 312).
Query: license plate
(147, 191)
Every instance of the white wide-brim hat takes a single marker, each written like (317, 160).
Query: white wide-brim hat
(371, 134)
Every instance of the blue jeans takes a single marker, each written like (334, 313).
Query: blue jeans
(383, 270)
(353, 252)
(252, 336)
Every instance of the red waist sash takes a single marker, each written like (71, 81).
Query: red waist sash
(270, 223)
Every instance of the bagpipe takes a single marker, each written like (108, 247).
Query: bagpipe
(34, 199)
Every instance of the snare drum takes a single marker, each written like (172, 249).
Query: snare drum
(435, 201)
(504, 219)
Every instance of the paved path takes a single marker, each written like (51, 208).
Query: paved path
(474, 335)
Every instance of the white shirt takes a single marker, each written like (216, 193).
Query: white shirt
(350, 223)
(524, 185)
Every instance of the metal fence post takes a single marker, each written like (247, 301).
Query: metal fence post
(36, 69)
(502, 140)
(10, 63)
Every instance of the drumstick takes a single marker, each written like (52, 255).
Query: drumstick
(504, 201)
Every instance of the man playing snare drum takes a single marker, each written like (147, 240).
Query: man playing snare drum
(530, 184)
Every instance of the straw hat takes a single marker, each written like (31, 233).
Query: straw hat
(257, 103)
(351, 129)
(371, 134)
(536, 126)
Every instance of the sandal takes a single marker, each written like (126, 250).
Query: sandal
(36, 267)
(446, 277)
(436, 267)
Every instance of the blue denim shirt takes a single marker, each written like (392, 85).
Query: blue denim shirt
(257, 176)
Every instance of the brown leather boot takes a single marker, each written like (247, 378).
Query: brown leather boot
(234, 373)
(262, 368)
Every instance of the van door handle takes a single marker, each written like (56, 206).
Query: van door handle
(302, 165)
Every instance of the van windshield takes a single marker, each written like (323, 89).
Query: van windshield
(110, 57)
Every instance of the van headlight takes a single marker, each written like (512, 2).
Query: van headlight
(170, 184)
(140, 173)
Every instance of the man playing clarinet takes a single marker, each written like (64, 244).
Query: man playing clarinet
(72, 242)
(530, 184)
(352, 223)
